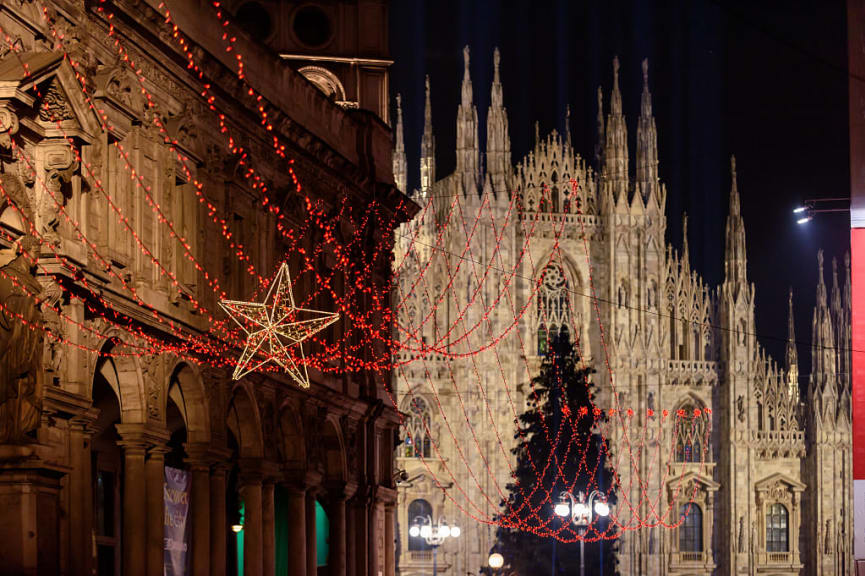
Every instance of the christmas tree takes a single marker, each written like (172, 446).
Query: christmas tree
(560, 425)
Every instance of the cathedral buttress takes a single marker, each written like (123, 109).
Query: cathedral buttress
(739, 363)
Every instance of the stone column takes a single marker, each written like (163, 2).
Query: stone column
(250, 493)
(351, 542)
(360, 515)
(155, 472)
(373, 510)
(311, 552)
(199, 495)
(218, 519)
(80, 496)
(134, 501)
(337, 560)
(267, 529)
(296, 522)
(389, 540)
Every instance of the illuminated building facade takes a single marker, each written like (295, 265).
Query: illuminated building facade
(106, 451)
(771, 490)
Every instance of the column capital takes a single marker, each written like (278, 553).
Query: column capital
(198, 456)
(83, 421)
(340, 491)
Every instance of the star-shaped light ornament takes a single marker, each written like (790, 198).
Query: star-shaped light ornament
(273, 326)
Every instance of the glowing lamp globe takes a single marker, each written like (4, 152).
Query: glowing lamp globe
(562, 509)
(580, 510)
(414, 531)
(602, 508)
(426, 531)
(455, 532)
(496, 560)
(444, 531)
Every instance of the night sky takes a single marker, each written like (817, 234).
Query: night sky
(766, 81)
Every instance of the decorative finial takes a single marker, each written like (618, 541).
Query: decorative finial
(600, 100)
(733, 165)
(466, 58)
(616, 67)
(646, 72)
(537, 132)
(398, 101)
(426, 84)
(685, 226)
(820, 265)
(496, 59)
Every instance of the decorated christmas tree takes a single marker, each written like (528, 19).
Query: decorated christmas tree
(559, 449)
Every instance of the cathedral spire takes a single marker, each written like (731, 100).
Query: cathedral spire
(616, 146)
(599, 144)
(427, 146)
(791, 356)
(568, 124)
(647, 137)
(498, 142)
(686, 257)
(399, 162)
(468, 150)
(735, 259)
(822, 385)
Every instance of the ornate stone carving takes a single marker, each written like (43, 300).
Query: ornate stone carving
(8, 126)
(54, 107)
(153, 385)
(20, 348)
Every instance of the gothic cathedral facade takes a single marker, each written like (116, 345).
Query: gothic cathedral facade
(506, 254)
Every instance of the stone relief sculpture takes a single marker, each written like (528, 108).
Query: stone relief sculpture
(20, 349)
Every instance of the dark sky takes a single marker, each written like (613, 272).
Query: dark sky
(765, 81)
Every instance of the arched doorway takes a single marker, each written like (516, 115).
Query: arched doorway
(107, 463)
(244, 490)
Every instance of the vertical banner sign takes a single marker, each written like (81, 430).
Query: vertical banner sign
(856, 118)
(176, 558)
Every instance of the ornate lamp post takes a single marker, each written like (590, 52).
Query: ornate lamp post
(581, 513)
(433, 534)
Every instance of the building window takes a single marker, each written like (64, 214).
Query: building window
(417, 441)
(777, 531)
(690, 435)
(418, 510)
(691, 528)
(554, 310)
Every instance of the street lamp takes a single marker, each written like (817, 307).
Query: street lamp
(805, 212)
(433, 534)
(496, 560)
(581, 515)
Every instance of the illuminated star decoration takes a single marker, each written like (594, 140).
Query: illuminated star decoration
(275, 325)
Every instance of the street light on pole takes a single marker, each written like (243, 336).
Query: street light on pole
(581, 513)
(805, 212)
(434, 534)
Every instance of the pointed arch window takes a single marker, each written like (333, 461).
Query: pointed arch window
(777, 529)
(554, 310)
(691, 435)
(417, 440)
(691, 528)
(418, 509)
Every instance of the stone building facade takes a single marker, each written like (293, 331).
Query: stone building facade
(770, 491)
(88, 425)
